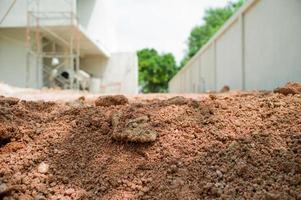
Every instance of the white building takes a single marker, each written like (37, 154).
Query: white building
(257, 48)
(63, 43)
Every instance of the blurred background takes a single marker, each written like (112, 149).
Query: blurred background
(143, 46)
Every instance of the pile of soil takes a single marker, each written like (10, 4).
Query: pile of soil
(238, 146)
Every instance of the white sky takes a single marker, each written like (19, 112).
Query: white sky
(161, 24)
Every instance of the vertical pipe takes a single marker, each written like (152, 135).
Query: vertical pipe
(215, 65)
(71, 59)
(27, 46)
(243, 64)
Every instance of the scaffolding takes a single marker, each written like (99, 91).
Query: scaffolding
(53, 45)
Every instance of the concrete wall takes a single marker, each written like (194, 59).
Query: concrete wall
(207, 70)
(94, 16)
(122, 68)
(258, 48)
(273, 45)
(12, 70)
(13, 60)
(94, 65)
(228, 58)
(118, 74)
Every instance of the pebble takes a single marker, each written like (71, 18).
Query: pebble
(219, 173)
(69, 191)
(43, 168)
(39, 197)
(3, 188)
(173, 168)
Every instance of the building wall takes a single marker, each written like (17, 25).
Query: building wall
(119, 74)
(94, 16)
(228, 58)
(13, 60)
(273, 43)
(258, 48)
(207, 72)
(122, 68)
(94, 65)
(17, 17)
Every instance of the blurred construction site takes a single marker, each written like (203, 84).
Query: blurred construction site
(62, 44)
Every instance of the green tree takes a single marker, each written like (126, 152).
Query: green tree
(155, 70)
(214, 18)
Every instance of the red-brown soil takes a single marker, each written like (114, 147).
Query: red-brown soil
(238, 146)
(111, 100)
(289, 88)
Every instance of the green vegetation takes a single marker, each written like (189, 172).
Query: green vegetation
(213, 20)
(155, 70)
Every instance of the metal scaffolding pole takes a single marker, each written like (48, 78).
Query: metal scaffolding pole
(49, 54)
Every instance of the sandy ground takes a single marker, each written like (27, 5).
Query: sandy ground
(236, 145)
(69, 95)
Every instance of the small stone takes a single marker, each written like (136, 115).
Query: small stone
(69, 191)
(226, 88)
(272, 196)
(3, 188)
(212, 96)
(65, 180)
(145, 189)
(41, 187)
(39, 197)
(173, 168)
(233, 145)
(53, 184)
(140, 194)
(219, 173)
(43, 168)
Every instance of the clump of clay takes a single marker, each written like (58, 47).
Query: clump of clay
(179, 101)
(9, 100)
(137, 129)
(289, 88)
(111, 100)
(226, 88)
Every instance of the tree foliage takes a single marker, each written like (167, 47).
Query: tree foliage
(214, 18)
(155, 70)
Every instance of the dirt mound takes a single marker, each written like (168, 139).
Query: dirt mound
(289, 88)
(111, 100)
(226, 147)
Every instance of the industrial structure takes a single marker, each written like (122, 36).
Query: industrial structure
(257, 48)
(62, 43)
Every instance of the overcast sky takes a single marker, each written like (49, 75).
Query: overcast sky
(161, 24)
